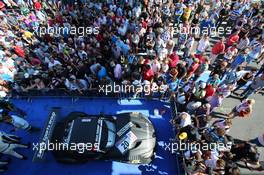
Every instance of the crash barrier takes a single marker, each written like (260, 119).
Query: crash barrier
(88, 93)
(180, 158)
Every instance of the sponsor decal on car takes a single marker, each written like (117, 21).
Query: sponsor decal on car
(46, 135)
(135, 161)
(126, 142)
(125, 128)
(86, 120)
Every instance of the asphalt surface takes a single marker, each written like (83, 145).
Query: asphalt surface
(243, 128)
(247, 128)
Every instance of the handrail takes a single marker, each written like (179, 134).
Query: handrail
(174, 114)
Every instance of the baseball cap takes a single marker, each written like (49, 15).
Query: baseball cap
(183, 136)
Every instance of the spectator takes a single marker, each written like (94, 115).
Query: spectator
(254, 87)
(242, 110)
(10, 142)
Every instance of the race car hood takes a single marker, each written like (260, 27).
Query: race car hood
(135, 136)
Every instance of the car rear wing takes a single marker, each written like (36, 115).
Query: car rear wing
(41, 147)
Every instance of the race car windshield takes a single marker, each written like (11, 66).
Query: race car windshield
(107, 134)
(111, 134)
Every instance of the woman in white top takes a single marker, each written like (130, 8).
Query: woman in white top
(203, 44)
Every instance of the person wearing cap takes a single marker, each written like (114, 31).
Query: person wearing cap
(193, 106)
(183, 136)
(185, 119)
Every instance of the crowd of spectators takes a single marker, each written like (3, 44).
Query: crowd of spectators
(142, 43)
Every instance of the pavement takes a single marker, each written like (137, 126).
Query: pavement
(247, 128)
(243, 128)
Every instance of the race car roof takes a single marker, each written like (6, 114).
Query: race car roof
(84, 130)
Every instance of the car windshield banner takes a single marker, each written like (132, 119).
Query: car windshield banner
(46, 136)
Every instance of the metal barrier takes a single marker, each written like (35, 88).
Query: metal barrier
(180, 160)
(95, 92)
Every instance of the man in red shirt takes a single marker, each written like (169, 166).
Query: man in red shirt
(174, 59)
(144, 23)
(192, 68)
(19, 51)
(148, 73)
(210, 91)
(37, 5)
(201, 57)
(218, 48)
(233, 38)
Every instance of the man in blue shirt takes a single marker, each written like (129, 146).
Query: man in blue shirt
(101, 72)
(239, 60)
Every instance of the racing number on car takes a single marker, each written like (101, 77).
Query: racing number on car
(125, 145)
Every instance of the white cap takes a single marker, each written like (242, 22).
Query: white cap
(136, 82)
(146, 82)
(36, 72)
(26, 75)
(203, 85)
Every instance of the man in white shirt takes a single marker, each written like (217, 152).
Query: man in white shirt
(203, 44)
(52, 62)
(16, 121)
(185, 119)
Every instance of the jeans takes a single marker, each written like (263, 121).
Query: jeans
(255, 141)
(239, 86)
(247, 92)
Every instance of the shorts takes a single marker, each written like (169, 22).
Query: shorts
(234, 110)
